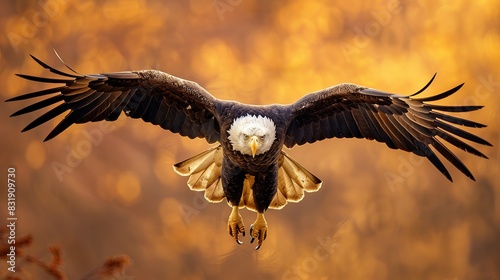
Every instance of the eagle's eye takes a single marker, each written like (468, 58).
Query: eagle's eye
(246, 136)
(262, 137)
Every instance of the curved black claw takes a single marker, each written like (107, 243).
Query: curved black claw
(234, 233)
(235, 225)
(251, 236)
(261, 236)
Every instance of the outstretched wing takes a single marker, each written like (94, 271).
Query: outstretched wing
(175, 104)
(402, 122)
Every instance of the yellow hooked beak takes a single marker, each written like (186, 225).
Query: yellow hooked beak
(254, 144)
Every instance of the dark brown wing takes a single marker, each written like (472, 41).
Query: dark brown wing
(175, 104)
(402, 122)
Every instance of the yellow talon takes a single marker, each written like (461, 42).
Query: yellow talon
(235, 224)
(258, 230)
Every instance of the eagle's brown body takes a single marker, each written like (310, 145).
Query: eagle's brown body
(264, 167)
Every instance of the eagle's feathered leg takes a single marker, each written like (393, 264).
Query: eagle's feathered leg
(232, 182)
(258, 230)
(264, 188)
(235, 224)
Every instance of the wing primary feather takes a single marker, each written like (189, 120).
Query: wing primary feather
(67, 66)
(457, 120)
(60, 127)
(91, 110)
(44, 80)
(453, 108)
(452, 158)
(421, 120)
(85, 101)
(39, 105)
(47, 116)
(79, 97)
(77, 116)
(52, 69)
(416, 130)
(107, 107)
(405, 132)
(441, 95)
(36, 94)
(459, 143)
(462, 133)
(426, 86)
(74, 92)
(431, 156)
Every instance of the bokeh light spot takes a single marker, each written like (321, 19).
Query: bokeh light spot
(128, 187)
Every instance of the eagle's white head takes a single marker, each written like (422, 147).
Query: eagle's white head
(252, 135)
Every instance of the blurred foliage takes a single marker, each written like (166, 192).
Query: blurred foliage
(114, 191)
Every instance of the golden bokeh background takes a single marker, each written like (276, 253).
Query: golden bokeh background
(105, 189)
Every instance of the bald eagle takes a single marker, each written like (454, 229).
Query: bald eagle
(248, 166)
